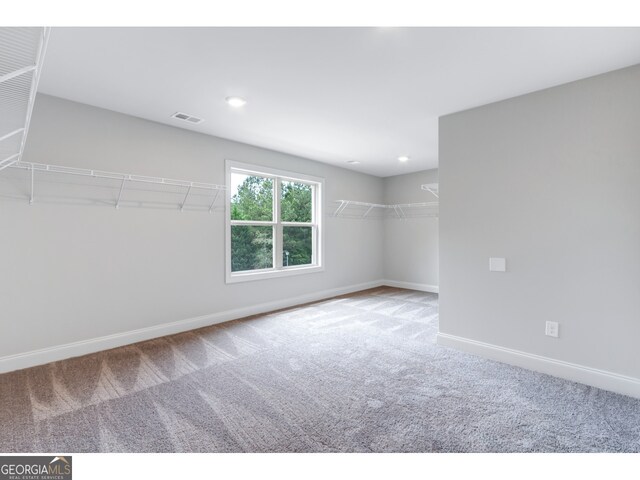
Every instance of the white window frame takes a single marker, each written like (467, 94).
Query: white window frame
(278, 270)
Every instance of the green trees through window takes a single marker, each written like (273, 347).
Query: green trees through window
(253, 199)
(255, 228)
(297, 244)
(251, 247)
(296, 202)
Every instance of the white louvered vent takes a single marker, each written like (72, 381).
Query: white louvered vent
(187, 118)
(21, 54)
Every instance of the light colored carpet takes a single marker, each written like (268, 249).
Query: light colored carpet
(359, 373)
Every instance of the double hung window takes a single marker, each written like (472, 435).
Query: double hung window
(273, 223)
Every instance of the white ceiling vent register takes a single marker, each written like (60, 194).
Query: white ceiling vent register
(187, 118)
(21, 54)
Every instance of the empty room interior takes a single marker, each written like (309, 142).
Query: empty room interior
(319, 239)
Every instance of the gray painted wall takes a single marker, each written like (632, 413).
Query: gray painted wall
(74, 269)
(551, 181)
(411, 245)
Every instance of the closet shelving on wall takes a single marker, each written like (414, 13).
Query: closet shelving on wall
(197, 195)
(356, 209)
(20, 66)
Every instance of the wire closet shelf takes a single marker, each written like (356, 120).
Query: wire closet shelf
(361, 210)
(21, 54)
(124, 179)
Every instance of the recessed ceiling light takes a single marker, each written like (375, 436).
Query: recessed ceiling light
(403, 158)
(353, 162)
(236, 102)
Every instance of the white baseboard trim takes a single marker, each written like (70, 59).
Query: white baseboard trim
(557, 368)
(61, 352)
(423, 287)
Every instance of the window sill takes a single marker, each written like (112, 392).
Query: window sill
(238, 277)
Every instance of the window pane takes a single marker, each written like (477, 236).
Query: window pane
(296, 202)
(251, 247)
(297, 246)
(251, 197)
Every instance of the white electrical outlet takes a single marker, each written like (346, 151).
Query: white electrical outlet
(551, 329)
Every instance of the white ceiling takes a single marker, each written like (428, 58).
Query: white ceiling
(329, 94)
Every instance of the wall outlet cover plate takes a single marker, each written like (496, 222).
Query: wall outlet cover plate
(497, 264)
(551, 329)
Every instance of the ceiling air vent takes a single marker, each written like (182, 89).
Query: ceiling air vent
(187, 118)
